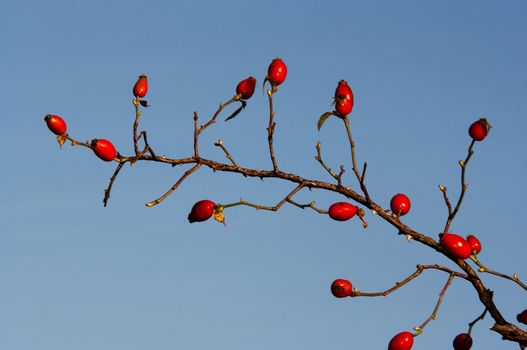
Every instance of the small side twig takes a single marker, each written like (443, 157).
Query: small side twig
(354, 161)
(464, 186)
(309, 205)
(108, 189)
(420, 269)
(265, 207)
(318, 158)
(173, 188)
(419, 329)
(270, 128)
(227, 154)
(485, 269)
(479, 318)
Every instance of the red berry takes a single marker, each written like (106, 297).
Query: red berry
(141, 86)
(342, 211)
(343, 99)
(522, 317)
(276, 72)
(201, 211)
(400, 204)
(402, 341)
(475, 244)
(456, 245)
(462, 341)
(479, 129)
(341, 288)
(104, 149)
(246, 87)
(56, 124)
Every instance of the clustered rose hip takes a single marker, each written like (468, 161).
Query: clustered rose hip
(246, 88)
(56, 124)
(342, 211)
(201, 211)
(462, 341)
(341, 288)
(401, 341)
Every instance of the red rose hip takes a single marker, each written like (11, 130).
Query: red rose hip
(341, 288)
(401, 341)
(141, 87)
(104, 149)
(400, 204)
(479, 129)
(475, 244)
(245, 88)
(522, 317)
(56, 124)
(201, 211)
(342, 211)
(277, 72)
(456, 245)
(343, 99)
(462, 341)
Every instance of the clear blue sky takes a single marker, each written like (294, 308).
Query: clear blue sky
(75, 275)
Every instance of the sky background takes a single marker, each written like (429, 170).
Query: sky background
(76, 275)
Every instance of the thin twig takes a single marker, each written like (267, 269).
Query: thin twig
(136, 124)
(108, 189)
(479, 318)
(485, 269)
(309, 205)
(270, 128)
(227, 154)
(420, 269)
(464, 186)
(419, 329)
(265, 207)
(176, 185)
(318, 158)
(354, 161)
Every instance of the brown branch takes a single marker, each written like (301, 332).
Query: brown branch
(173, 188)
(485, 269)
(309, 205)
(108, 189)
(138, 113)
(318, 158)
(479, 318)
(227, 154)
(464, 186)
(420, 269)
(419, 329)
(354, 161)
(265, 207)
(270, 128)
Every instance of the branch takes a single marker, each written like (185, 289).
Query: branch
(112, 179)
(318, 157)
(419, 329)
(513, 278)
(270, 128)
(464, 186)
(264, 207)
(353, 160)
(173, 188)
(420, 269)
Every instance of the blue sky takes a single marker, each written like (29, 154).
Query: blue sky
(79, 276)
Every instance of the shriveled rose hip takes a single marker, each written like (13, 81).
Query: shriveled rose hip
(56, 124)
(201, 211)
(522, 317)
(104, 149)
(246, 87)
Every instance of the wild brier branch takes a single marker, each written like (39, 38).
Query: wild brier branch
(450, 245)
